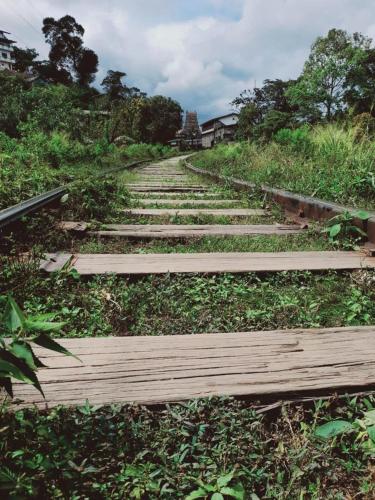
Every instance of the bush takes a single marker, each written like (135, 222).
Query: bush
(298, 140)
(96, 198)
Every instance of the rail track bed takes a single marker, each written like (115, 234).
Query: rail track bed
(161, 369)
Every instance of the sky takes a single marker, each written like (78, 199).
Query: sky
(202, 53)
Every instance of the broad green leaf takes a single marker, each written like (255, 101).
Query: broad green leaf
(199, 493)
(8, 369)
(217, 496)
(23, 351)
(23, 372)
(13, 317)
(44, 341)
(224, 480)
(236, 491)
(362, 214)
(43, 326)
(64, 198)
(332, 429)
(335, 230)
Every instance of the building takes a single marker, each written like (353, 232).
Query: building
(6, 51)
(189, 137)
(221, 129)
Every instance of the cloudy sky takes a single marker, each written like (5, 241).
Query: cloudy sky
(201, 52)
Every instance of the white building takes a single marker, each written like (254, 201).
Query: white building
(6, 51)
(221, 129)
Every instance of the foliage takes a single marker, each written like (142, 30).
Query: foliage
(67, 54)
(337, 83)
(132, 452)
(331, 162)
(263, 111)
(96, 198)
(106, 306)
(342, 226)
(324, 79)
(17, 358)
(116, 90)
(158, 119)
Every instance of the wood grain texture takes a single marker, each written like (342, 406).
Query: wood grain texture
(154, 231)
(150, 370)
(209, 263)
(161, 188)
(230, 212)
(176, 203)
(167, 195)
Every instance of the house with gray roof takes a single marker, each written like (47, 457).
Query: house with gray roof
(220, 129)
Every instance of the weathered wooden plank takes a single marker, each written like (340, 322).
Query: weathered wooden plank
(230, 212)
(167, 194)
(172, 189)
(149, 201)
(155, 231)
(212, 263)
(151, 370)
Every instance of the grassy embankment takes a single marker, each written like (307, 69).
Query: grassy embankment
(38, 162)
(329, 162)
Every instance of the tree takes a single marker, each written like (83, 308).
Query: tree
(263, 111)
(87, 66)
(360, 94)
(113, 86)
(67, 52)
(115, 89)
(158, 119)
(322, 85)
(24, 58)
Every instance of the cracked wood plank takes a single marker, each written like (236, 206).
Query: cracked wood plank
(162, 369)
(210, 263)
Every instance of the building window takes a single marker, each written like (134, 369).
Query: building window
(5, 55)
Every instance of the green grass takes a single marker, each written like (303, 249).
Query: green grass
(183, 304)
(131, 452)
(328, 162)
(272, 243)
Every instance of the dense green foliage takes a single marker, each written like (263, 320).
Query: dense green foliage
(131, 452)
(330, 162)
(337, 83)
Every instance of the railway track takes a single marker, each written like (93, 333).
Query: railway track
(36, 203)
(170, 203)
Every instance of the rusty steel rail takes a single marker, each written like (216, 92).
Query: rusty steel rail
(16, 212)
(297, 204)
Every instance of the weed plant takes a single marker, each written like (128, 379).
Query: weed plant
(330, 162)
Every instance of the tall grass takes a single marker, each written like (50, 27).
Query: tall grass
(39, 161)
(327, 161)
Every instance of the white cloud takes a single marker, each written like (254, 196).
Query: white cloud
(201, 52)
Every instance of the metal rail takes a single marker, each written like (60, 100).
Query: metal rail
(297, 204)
(14, 213)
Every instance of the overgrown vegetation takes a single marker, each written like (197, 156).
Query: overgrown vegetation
(313, 135)
(331, 162)
(109, 305)
(132, 452)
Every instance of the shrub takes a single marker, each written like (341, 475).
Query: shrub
(96, 198)
(298, 140)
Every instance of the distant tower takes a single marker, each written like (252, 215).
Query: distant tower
(191, 126)
(190, 136)
(6, 51)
